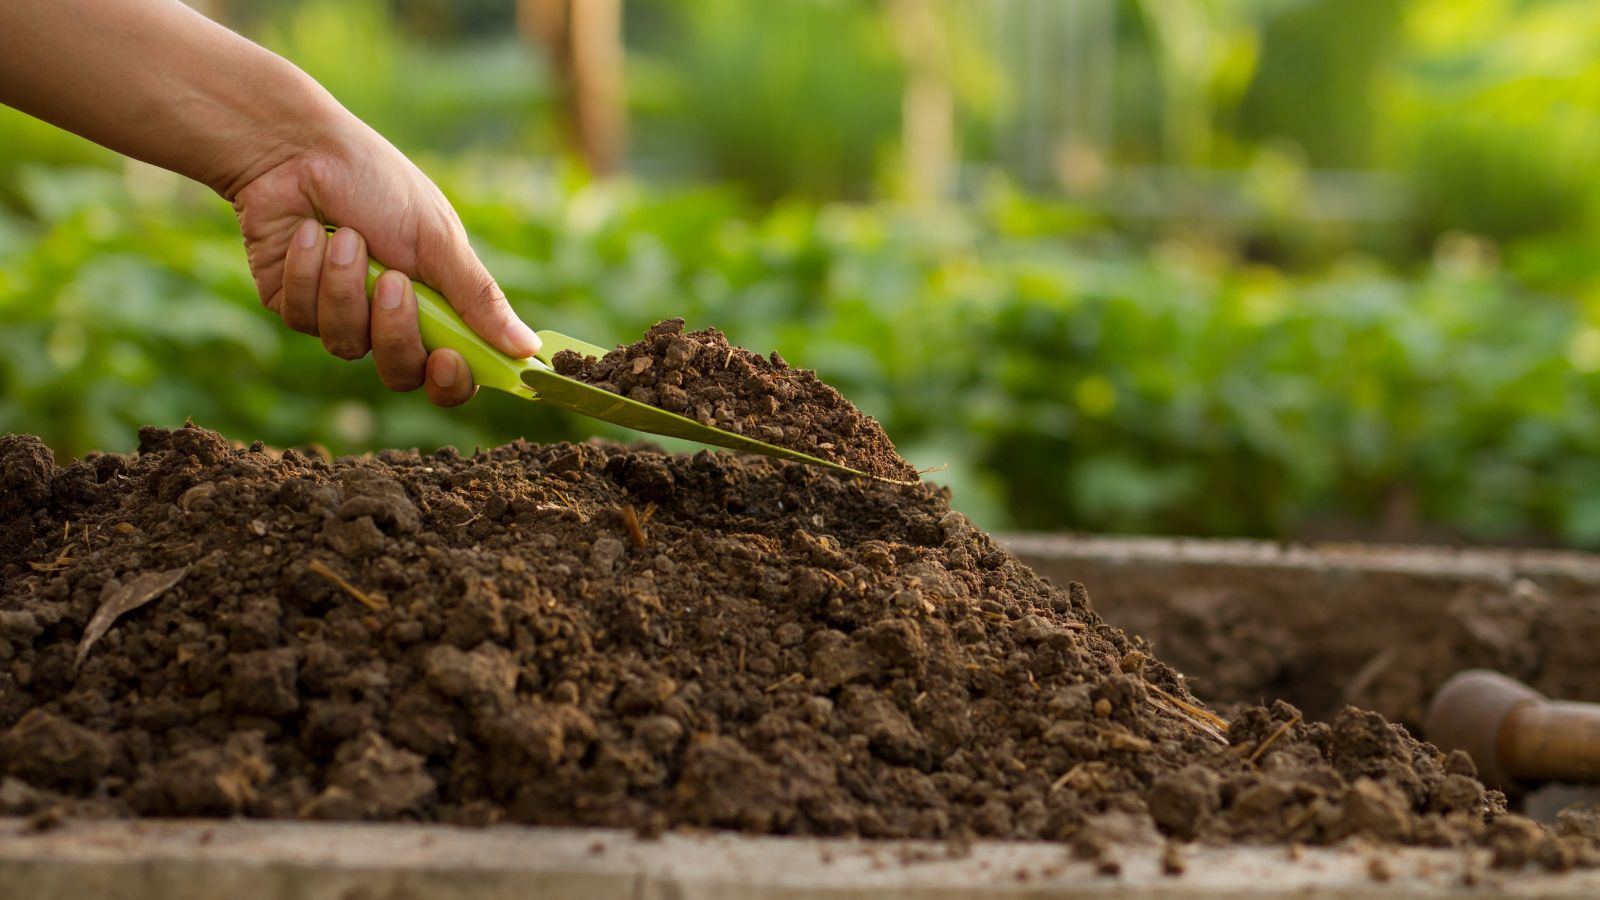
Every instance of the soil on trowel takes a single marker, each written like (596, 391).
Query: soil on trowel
(611, 636)
(699, 375)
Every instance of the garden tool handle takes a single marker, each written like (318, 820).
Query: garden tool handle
(1552, 741)
(1515, 735)
(442, 328)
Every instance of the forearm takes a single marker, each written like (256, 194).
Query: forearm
(155, 80)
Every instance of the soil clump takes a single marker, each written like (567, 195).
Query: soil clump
(608, 635)
(698, 374)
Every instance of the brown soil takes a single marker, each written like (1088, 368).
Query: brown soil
(699, 375)
(607, 635)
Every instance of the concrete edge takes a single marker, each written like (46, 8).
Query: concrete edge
(1497, 563)
(250, 860)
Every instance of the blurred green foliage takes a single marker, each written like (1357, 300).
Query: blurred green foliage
(771, 111)
(1271, 372)
(420, 95)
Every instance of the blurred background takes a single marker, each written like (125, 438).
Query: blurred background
(1286, 268)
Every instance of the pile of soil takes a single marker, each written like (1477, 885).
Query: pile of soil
(606, 635)
(698, 374)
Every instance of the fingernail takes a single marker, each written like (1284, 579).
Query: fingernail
(522, 338)
(305, 237)
(386, 294)
(445, 375)
(343, 249)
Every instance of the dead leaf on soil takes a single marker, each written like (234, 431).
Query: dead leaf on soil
(123, 600)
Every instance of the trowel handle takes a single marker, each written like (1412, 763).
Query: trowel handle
(1552, 741)
(1516, 735)
(443, 328)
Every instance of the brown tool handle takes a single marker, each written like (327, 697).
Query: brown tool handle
(1551, 741)
(1469, 713)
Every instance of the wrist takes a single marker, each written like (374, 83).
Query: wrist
(279, 118)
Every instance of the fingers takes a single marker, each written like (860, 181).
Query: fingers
(403, 364)
(302, 273)
(449, 379)
(396, 346)
(458, 274)
(324, 294)
(342, 315)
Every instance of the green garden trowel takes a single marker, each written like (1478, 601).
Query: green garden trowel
(534, 379)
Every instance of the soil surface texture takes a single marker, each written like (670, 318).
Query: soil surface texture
(699, 375)
(605, 635)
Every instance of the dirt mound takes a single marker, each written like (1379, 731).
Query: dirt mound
(607, 635)
(699, 375)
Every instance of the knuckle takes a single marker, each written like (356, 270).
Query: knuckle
(387, 344)
(397, 368)
(344, 347)
(400, 378)
(300, 270)
(343, 289)
(397, 341)
(296, 285)
(455, 395)
(486, 295)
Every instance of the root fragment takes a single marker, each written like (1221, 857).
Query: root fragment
(54, 565)
(1207, 721)
(1066, 777)
(566, 503)
(1280, 732)
(370, 601)
(64, 558)
(635, 521)
(792, 678)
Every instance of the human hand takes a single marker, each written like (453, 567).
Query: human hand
(388, 208)
(158, 81)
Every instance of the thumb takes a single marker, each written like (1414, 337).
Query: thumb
(455, 270)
